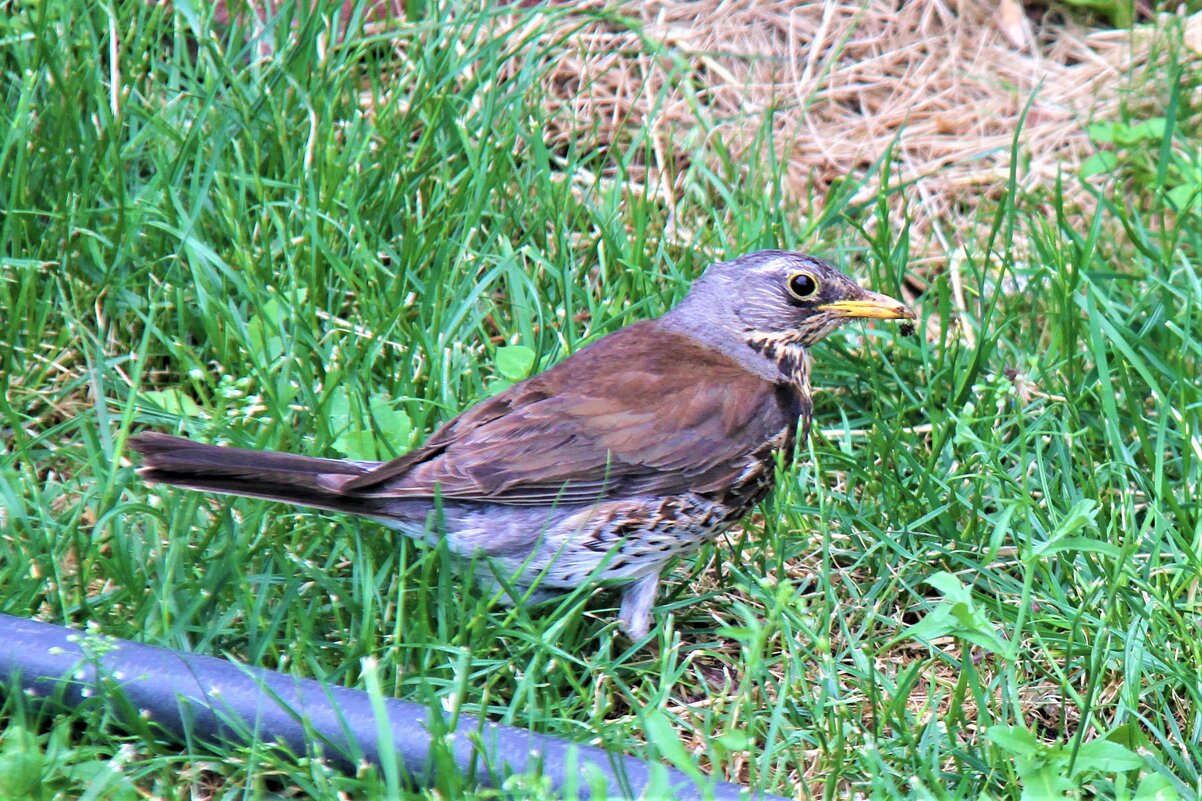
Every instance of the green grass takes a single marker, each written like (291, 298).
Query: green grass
(246, 251)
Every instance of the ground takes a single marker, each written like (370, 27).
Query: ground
(981, 577)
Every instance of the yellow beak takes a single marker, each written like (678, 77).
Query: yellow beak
(875, 306)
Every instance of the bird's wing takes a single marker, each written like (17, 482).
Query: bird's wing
(643, 411)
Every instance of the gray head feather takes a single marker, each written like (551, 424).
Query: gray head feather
(772, 300)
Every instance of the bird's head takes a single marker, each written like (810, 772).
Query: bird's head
(773, 294)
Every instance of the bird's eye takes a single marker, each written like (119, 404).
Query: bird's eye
(802, 285)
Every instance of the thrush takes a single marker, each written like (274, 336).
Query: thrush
(634, 450)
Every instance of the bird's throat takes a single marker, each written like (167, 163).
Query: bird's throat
(792, 360)
(785, 350)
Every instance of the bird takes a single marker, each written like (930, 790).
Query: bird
(635, 450)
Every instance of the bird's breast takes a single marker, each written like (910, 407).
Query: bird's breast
(758, 474)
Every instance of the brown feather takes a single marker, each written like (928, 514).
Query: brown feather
(644, 411)
(254, 474)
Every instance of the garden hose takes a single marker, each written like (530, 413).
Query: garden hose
(218, 701)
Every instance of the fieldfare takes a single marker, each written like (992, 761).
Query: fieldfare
(634, 450)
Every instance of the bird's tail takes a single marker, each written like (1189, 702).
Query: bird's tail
(255, 474)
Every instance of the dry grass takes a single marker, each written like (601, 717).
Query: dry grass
(940, 85)
(944, 84)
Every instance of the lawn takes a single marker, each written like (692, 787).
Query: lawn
(980, 579)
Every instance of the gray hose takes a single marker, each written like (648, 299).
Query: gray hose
(218, 701)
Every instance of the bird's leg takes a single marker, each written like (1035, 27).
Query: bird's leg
(637, 600)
